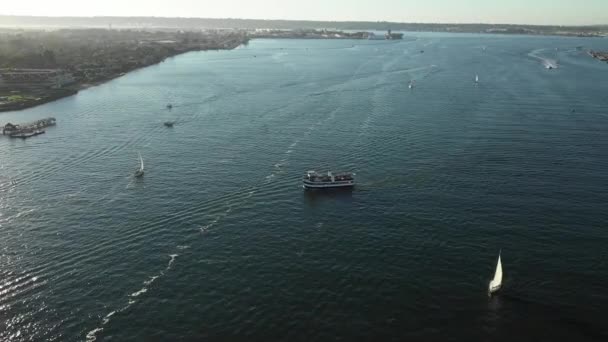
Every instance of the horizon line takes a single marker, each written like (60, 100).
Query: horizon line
(304, 20)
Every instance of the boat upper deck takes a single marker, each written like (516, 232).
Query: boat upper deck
(313, 176)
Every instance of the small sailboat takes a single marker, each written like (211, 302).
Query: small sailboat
(411, 85)
(476, 78)
(140, 172)
(496, 283)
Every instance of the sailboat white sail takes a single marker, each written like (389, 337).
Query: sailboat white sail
(140, 171)
(476, 78)
(496, 283)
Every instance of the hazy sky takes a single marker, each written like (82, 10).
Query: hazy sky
(564, 12)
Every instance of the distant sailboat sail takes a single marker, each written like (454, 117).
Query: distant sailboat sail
(496, 283)
(476, 78)
(140, 171)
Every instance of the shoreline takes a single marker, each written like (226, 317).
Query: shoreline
(51, 95)
(58, 94)
(17, 106)
(54, 94)
(29, 81)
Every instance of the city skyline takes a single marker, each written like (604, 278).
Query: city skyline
(541, 12)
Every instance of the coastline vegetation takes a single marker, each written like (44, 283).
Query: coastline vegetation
(38, 66)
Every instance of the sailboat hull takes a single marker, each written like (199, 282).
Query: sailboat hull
(493, 289)
(140, 171)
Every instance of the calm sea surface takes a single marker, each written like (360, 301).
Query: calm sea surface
(218, 242)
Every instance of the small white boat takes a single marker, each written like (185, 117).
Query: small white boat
(550, 64)
(140, 172)
(411, 85)
(496, 283)
(476, 78)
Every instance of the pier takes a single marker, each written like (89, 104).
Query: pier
(28, 129)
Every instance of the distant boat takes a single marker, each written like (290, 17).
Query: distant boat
(549, 64)
(140, 172)
(169, 106)
(496, 283)
(476, 78)
(169, 123)
(411, 85)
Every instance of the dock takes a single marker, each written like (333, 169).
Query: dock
(28, 129)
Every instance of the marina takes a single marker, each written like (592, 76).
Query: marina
(28, 129)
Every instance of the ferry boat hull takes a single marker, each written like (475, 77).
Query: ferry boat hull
(25, 135)
(347, 184)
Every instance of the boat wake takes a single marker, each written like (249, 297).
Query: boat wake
(277, 168)
(205, 229)
(281, 164)
(548, 63)
(92, 335)
(23, 213)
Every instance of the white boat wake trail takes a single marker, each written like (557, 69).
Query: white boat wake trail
(546, 62)
(239, 201)
(92, 335)
(278, 167)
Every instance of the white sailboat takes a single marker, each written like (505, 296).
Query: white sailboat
(411, 85)
(496, 283)
(140, 172)
(476, 78)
